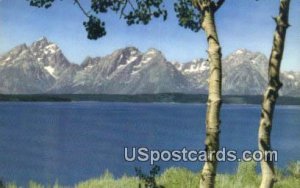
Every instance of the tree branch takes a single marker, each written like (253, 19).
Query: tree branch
(130, 3)
(196, 4)
(123, 8)
(217, 5)
(81, 8)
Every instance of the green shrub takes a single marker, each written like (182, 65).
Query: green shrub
(294, 169)
(245, 177)
(179, 178)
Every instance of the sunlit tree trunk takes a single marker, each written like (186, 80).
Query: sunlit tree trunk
(271, 94)
(208, 9)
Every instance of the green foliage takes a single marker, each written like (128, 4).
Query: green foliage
(1, 184)
(95, 28)
(107, 181)
(288, 182)
(245, 177)
(145, 11)
(33, 184)
(140, 12)
(133, 11)
(188, 15)
(11, 185)
(293, 169)
(178, 178)
(41, 3)
(149, 180)
(102, 6)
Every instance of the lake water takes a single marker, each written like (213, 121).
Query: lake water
(71, 142)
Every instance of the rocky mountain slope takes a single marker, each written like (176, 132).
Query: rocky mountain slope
(42, 68)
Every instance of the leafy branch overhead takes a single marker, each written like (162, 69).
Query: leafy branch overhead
(41, 3)
(133, 11)
(188, 12)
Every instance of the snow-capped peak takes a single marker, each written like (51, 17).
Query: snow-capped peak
(240, 51)
(42, 42)
(152, 51)
(51, 49)
(43, 38)
(44, 46)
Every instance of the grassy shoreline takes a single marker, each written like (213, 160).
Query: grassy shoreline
(174, 177)
(144, 98)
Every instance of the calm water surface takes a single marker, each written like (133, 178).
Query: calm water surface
(72, 142)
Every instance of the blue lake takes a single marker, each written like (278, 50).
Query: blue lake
(72, 142)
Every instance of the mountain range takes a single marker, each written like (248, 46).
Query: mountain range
(42, 68)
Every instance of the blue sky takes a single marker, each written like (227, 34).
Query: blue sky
(241, 24)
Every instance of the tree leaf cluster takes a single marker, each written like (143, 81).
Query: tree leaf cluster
(133, 12)
(188, 15)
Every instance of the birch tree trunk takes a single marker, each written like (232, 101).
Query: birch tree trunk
(208, 9)
(271, 94)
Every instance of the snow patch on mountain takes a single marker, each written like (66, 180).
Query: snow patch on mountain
(131, 59)
(88, 67)
(8, 58)
(51, 49)
(152, 51)
(146, 60)
(239, 52)
(292, 77)
(50, 70)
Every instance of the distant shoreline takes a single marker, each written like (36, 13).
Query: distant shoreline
(144, 98)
